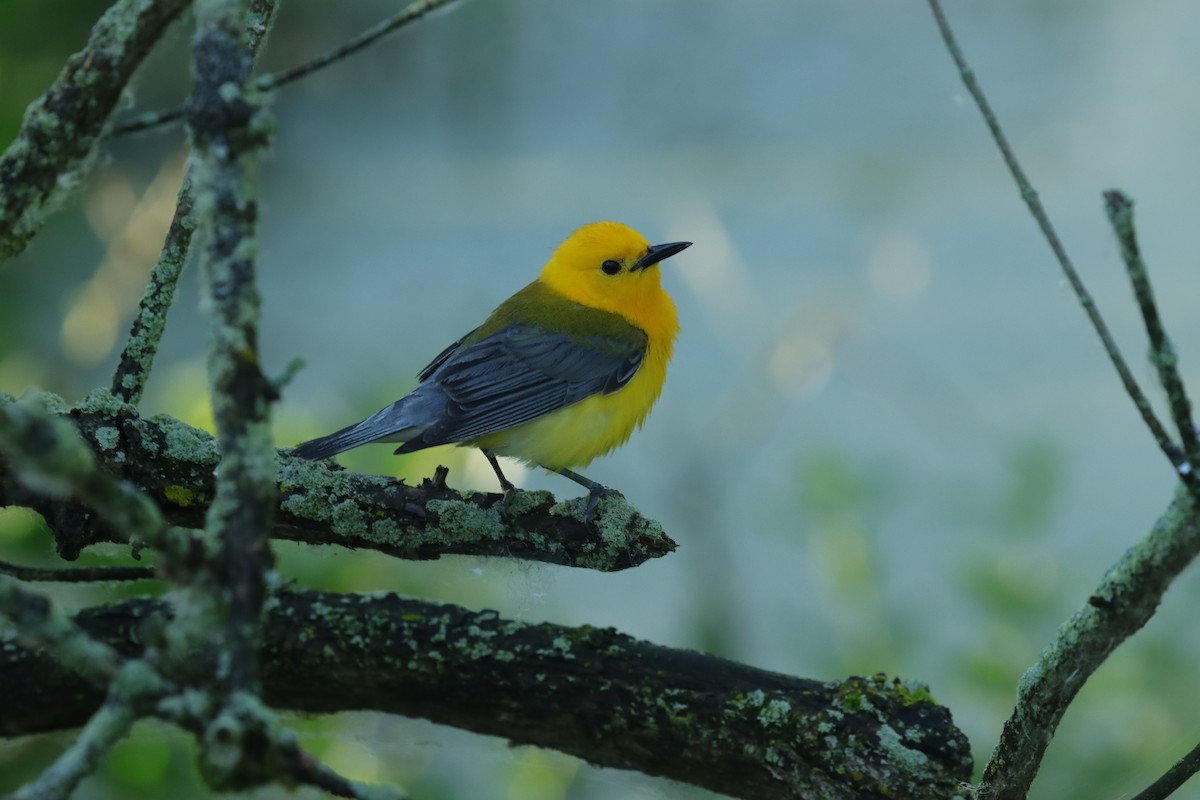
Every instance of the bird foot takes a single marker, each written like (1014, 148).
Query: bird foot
(594, 495)
(510, 492)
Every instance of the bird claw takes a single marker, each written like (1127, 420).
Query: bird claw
(509, 493)
(595, 494)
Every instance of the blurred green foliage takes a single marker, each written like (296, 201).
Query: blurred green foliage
(35, 39)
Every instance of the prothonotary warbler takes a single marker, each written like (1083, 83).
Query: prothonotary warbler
(560, 373)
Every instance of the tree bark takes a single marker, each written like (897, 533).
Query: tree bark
(320, 503)
(595, 693)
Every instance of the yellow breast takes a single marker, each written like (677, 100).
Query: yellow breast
(573, 436)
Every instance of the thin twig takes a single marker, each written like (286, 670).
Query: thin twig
(1173, 778)
(133, 368)
(260, 16)
(409, 14)
(1030, 196)
(76, 574)
(133, 687)
(306, 769)
(107, 726)
(1119, 209)
(38, 621)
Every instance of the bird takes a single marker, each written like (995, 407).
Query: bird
(560, 373)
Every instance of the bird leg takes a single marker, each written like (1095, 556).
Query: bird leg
(505, 484)
(595, 490)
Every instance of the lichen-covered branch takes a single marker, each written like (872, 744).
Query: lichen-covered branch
(46, 455)
(107, 726)
(598, 694)
(1120, 606)
(137, 357)
(223, 596)
(1119, 209)
(37, 622)
(61, 128)
(1132, 589)
(228, 127)
(319, 503)
(130, 693)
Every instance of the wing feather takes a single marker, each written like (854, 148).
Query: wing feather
(519, 373)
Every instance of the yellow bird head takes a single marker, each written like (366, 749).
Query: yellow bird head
(611, 266)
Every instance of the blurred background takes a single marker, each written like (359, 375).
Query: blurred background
(889, 441)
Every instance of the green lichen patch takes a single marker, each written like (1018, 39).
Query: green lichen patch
(461, 521)
(108, 437)
(185, 443)
(48, 400)
(523, 502)
(179, 495)
(101, 402)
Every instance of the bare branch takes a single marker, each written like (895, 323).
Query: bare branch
(1030, 196)
(58, 135)
(1162, 353)
(1132, 589)
(76, 574)
(305, 768)
(1175, 777)
(407, 15)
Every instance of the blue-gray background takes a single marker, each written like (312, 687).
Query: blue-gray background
(889, 441)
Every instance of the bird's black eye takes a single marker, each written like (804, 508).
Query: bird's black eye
(611, 267)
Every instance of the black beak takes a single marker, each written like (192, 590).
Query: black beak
(657, 252)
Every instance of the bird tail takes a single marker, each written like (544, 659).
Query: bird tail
(391, 424)
(337, 442)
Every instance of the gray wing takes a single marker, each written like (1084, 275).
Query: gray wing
(518, 374)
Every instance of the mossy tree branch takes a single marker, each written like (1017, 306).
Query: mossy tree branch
(603, 696)
(228, 126)
(1124, 601)
(62, 127)
(319, 503)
